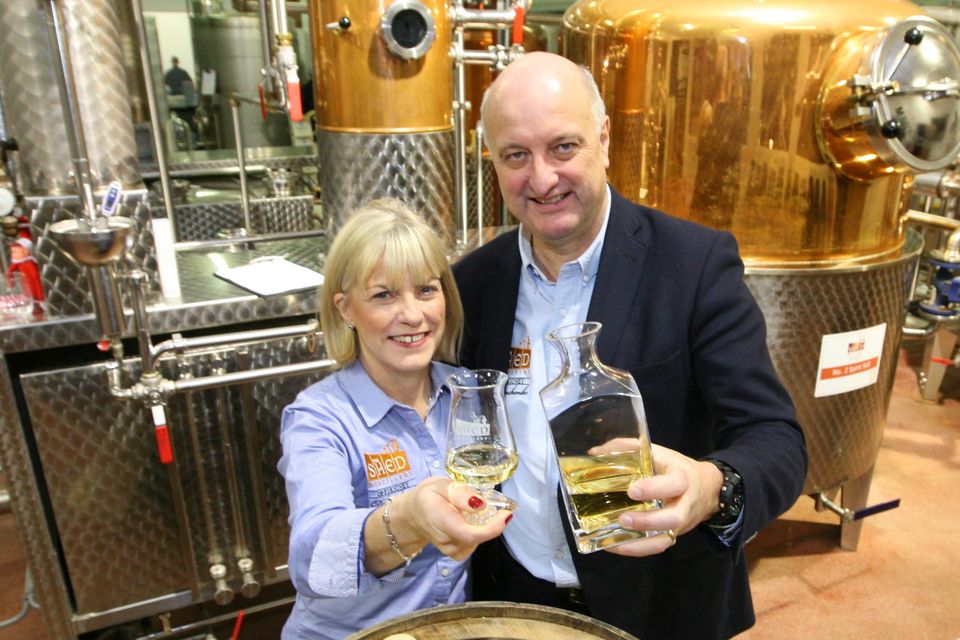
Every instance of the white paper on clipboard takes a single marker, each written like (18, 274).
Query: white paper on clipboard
(272, 277)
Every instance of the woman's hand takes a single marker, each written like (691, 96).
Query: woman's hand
(430, 513)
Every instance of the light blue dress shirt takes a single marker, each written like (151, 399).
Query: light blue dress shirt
(347, 447)
(535, 535)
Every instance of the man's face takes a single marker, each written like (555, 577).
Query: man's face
(550, 160)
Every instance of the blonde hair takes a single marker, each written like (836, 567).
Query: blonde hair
(385, 230)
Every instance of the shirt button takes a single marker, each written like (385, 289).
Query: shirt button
(558, 555)
(445, 572)
(563, 313)
(436, 464)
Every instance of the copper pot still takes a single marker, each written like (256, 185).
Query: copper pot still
(382, 67)
(796, 126)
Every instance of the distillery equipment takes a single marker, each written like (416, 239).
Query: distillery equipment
(139, 410)
(391, 101)
(137, 429)
(798, 127)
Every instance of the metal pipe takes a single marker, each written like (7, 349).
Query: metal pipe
(253, 446)
(200, 470)
(460, 131)
(107, 303)
(208, 172)
(265, 38)
(932, 220)
(207, 622)
(71, 114)
(183, 524)
(241, 547)
(179, 344)
(482, 18)
(238, 136)
(914, 332)
(239, 377)
(937, 183)
(479, 182)
(5, 501)
(141, 323)
(156, 129)
(280, 17)
(224, 242)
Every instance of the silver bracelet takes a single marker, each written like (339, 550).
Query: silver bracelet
(392, 539)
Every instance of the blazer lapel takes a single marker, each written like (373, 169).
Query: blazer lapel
(619, 274)
(500, 308)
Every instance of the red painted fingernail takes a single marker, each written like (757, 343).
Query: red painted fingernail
(509, 518)
(475, 502)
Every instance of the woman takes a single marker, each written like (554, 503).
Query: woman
(376, 526)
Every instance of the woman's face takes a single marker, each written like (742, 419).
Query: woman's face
(398, 330)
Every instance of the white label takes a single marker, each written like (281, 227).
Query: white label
(471, 429)
(849, 361)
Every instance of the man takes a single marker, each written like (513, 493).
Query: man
(179, 83)
(176, 79)
(677, 315)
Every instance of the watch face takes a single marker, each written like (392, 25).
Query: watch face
(7, 201)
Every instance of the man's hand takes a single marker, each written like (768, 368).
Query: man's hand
(690, 492)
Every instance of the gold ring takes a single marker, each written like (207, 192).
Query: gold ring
(672, 535)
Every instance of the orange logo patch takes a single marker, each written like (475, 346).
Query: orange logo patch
(391, 462)
(520, 356)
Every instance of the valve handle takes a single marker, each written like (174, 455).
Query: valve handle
(162, 434)
(263, 103)
(518, 20)
(294, 101)
(877, 508)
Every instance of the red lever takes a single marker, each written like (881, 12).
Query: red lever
(293, 97)
(263, 103)
(164, 447)
(237, 625)
(518, 24)
(162, 433)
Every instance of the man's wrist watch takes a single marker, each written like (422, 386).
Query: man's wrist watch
(731, 496)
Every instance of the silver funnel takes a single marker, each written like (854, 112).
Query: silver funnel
(100, 246)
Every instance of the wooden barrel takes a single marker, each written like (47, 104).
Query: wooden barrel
(492, 621)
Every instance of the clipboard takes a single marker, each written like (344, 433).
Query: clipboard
(272, 277)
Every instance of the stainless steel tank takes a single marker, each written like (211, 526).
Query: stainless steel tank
(35, 106)
(797, 127)
(384, 106)
(100, 80)
(32, 101)
(232, 46)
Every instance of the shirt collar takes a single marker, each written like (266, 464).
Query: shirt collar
(589, 260)
(372, 403)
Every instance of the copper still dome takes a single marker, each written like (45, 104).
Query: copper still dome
(767, 118)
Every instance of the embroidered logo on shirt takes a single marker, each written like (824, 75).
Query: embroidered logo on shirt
(391, 462)
(519, 371)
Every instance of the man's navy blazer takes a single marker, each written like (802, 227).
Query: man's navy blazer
(677, 315)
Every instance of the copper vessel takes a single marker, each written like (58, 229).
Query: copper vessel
(735, 114)
(363, 86)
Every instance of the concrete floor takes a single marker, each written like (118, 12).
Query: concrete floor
(903, 581)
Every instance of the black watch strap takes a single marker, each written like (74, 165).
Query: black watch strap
(731, 496)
